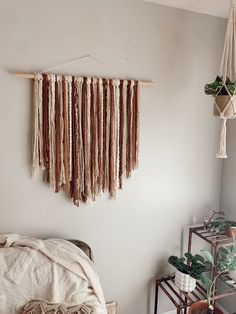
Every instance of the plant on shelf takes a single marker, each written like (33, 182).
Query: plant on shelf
(219, 224)
(219, 88)
(226, 262)
(189, 269)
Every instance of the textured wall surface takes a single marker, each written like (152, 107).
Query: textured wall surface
(178, 178)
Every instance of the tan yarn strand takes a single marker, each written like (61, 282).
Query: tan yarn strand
(52, 128)
(66, 140)
(57, 137)
(75, 143)
(36, 127)
(100, 134)
(112, 141)
(80, 140)
(85, 139)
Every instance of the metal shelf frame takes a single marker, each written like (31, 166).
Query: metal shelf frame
(183, 300)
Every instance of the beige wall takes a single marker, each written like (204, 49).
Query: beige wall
(178, 177)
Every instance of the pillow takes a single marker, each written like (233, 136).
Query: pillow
(44, 307)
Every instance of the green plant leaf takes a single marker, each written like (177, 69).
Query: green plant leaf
(208, 256)
(206, 281)
(189, 256)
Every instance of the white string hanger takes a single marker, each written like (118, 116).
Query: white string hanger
(72, 61)
(60, 65)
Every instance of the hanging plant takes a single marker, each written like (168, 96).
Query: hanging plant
(224, 101)
(223, 89)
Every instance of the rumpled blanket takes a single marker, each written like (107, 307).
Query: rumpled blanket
(54, 270)
(44, 307)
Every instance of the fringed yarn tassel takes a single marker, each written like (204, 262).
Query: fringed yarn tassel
(40, 119)
(84, 113)
(121, 133)
(52, 129)
(100, 134)
(57, 135)
(36, 135)
(112, 142)
(45, 126)
(135, 126)
(69, 86)
(75, 143)
(93, 136)
(222, 150)
(62, 167)
(66, 138)
(104, 139)
(128, 130)
(88, 155)
(80, 140)
(117, 117)
(107, 139)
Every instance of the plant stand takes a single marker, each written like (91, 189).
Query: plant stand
(183, 300)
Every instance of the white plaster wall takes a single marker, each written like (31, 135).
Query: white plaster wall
(178, 177)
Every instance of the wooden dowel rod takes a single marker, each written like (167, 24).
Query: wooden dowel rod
(32, 75)
(24, 75)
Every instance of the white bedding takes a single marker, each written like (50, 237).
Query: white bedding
(54, 270)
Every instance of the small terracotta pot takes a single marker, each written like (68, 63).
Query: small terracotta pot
(197, 307)
(222, 101)
(230, 231)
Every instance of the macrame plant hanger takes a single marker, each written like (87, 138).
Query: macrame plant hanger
(225, 105)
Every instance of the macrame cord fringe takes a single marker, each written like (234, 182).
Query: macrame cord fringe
(85, 133)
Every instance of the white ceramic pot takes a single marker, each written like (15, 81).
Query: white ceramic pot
(184, 282)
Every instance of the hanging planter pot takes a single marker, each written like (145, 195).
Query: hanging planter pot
(225, 104)
(184, 281)
(203, 308)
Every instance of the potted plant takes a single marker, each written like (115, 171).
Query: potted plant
(226, 262)
(188, 269)
(224, 94)
(217, 223)
(220, 224)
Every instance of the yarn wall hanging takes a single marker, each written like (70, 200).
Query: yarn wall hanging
(86, 133)
(223, 89)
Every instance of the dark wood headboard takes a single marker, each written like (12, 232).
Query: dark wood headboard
(83, 246)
